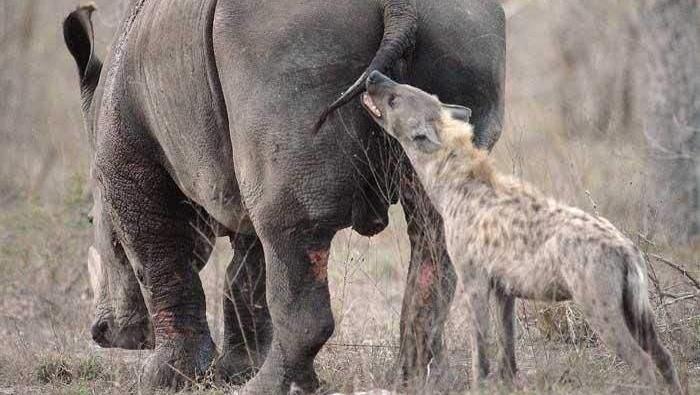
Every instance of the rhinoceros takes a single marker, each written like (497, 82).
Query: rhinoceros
(211, 118)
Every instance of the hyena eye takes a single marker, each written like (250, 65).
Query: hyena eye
(392, 101)
(421, 138)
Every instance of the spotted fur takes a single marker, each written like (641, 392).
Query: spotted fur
(505, 236)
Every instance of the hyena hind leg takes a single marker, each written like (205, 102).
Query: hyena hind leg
(604, 311)
(643, 329)
(640, 320)
(663, 361)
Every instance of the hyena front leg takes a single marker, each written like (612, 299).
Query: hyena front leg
(476, 286)
(505, 304)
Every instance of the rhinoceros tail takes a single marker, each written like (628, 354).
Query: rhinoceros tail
(400, 28)
(79, 36)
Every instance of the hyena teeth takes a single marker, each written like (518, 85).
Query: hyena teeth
(369, 103)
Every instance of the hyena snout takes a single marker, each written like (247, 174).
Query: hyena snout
(379, 87)
(376, 78)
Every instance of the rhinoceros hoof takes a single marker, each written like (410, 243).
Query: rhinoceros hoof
(178, 363)
(272, 379)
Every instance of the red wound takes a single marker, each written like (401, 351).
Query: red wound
(426, 278)
(319, 264)
(167, 325)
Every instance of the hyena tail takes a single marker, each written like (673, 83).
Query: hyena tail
(638, 312)
(640, 319)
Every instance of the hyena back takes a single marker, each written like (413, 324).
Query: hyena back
(506, 237)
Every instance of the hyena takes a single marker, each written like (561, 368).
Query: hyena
(506, 237)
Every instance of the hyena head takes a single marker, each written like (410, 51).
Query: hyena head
(425, 127)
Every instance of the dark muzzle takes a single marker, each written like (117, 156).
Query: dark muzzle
(377, 78)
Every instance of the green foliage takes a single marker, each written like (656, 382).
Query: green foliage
(81, 389)
(77, 202)
(61, 370)
(76, 190)
(53, 370)
(92, 368)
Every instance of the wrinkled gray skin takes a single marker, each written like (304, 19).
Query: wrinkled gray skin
(202, 125)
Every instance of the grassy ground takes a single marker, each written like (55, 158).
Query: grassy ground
(45, 315)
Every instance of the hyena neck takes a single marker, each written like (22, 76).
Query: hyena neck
(462, 165)
(460, 158)
(460, 191)
(451, 175)
(457, 167)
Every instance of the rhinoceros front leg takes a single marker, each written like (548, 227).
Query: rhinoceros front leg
(429, 289)
(247, 321)
(159, 231)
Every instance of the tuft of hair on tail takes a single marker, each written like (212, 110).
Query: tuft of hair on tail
(638, 311)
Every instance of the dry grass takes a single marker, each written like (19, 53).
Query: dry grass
(46, 313)
(44, 293)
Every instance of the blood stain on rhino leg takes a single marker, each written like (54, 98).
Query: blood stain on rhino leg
(319, 263)
(167, 326)
(426, 278)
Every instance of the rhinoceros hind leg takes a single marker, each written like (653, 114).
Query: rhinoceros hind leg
(160, 232)
(247, 321)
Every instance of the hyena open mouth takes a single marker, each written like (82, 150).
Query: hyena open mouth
(368, 103)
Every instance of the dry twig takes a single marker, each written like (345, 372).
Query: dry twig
(679, 268)
(682, 298)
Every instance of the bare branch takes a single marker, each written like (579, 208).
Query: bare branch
(679, 268)
(682, 298)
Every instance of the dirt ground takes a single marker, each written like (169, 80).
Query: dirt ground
(45, 314)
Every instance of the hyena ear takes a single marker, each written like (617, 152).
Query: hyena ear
(457, 112)
(426, 137)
